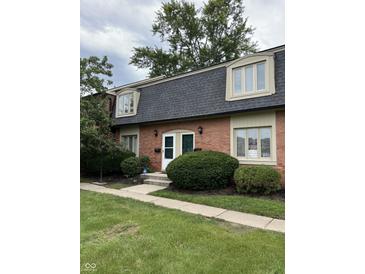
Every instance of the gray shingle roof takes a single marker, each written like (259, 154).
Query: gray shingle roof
(201, 94)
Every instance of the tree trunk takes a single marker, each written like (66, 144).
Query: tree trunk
(101, 173)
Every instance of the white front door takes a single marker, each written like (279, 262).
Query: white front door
(168, 149)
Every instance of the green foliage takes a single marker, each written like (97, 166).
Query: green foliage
(146, 163)
(197, 38)
(96, 139)
(131, 166)
(257, 180)
(202, 170)
(111, 161)
(92, 73)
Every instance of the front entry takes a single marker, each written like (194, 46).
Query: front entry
(168, 149)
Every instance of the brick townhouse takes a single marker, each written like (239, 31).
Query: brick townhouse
(236, 107)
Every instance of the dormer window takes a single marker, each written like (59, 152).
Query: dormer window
(249, 79)
(251, 76)
(127, 103)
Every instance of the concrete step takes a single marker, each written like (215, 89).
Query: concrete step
(157, 182)
(157, 176)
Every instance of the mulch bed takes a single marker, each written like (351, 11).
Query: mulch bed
(116, 179)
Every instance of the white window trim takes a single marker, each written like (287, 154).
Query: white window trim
(255, 120)
(135, 101)
(259, 158)
(181, 141)
(268, 58)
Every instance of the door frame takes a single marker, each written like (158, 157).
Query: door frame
(181, 141)
(163, 149)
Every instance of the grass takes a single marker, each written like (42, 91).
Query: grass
(261, 206)
(87, 180)
(117, 185)
(126, 236)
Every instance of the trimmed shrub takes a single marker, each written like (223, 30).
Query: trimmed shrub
(111, 162)
(202, 170)
(146, 163)
(131, 166)
(257, 180)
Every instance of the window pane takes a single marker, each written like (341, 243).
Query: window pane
(249, 78)
(240, 141)
(237, 81)
(252, 142)
(261, 76)
(169, 141)
(126, 103)
(120, 105)
(187, 143)
(125, 142)
(131, 103)
(265, 141)
(134, 141)
(130, 143)
(169, 153)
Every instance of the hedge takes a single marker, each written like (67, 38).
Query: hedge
(257, 180)
(202, 170)
(111, 162)
(131, 166)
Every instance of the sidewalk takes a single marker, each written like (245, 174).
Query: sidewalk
(140, 193)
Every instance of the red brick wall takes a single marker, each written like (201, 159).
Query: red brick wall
(215, 137)
(280, 143)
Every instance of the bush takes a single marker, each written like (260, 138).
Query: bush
(146, 163)
(257, 180)
(131, 166)
(202, 170)
(111, 162)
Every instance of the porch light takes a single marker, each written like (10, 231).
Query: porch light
(155, 132)
(200, 130)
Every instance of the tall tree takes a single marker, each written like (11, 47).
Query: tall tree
(93, 71)
(95, 122)
(197, 38)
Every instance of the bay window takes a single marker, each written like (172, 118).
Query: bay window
(253, 143)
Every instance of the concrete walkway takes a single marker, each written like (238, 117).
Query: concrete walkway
(140, 193)
(143, 188)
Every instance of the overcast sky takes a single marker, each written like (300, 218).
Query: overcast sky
(114, 27)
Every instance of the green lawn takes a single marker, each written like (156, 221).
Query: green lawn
(118, 185)
(260, 206)
(126, 236)
(87, 180)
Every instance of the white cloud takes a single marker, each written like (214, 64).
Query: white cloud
(112, 41)
(268, 17)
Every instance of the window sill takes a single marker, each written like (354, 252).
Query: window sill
(248, 96)
(125, 115)
(268, 162)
